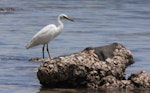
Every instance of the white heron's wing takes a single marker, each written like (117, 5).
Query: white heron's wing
(43, 36)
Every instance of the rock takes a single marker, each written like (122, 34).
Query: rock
(35, 59)
(98, 67)
(6, 9)
(111, 82)
(140, 79)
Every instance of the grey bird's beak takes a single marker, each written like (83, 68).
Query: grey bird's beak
(68, 18)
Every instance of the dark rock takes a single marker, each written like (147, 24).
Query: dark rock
(105, 52)
(93, 68)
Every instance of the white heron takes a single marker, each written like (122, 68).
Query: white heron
(48, 33)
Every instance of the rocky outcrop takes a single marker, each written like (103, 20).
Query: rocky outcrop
(4, 9)
(99, 67)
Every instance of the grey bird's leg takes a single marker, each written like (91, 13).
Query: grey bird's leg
(48, 52)
(43, 50)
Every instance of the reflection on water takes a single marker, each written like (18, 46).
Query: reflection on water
(93, 91)
(97, 23)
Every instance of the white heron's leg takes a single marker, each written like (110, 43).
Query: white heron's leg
(43, 50)
(48, 52)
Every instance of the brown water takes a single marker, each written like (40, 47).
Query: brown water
(97, 23)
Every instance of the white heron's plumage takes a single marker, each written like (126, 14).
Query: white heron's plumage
(45, 35)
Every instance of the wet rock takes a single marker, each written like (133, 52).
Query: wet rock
(35, 59)
(93, 68)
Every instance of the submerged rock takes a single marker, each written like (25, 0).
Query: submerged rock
(100, 67)
(7, 9)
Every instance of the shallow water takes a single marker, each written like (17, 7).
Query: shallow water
(97, 23)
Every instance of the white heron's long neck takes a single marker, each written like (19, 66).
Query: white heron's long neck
(60, 24)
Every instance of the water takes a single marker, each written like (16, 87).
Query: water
(97, 23)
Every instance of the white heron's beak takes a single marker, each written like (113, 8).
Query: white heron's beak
(68, 18)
